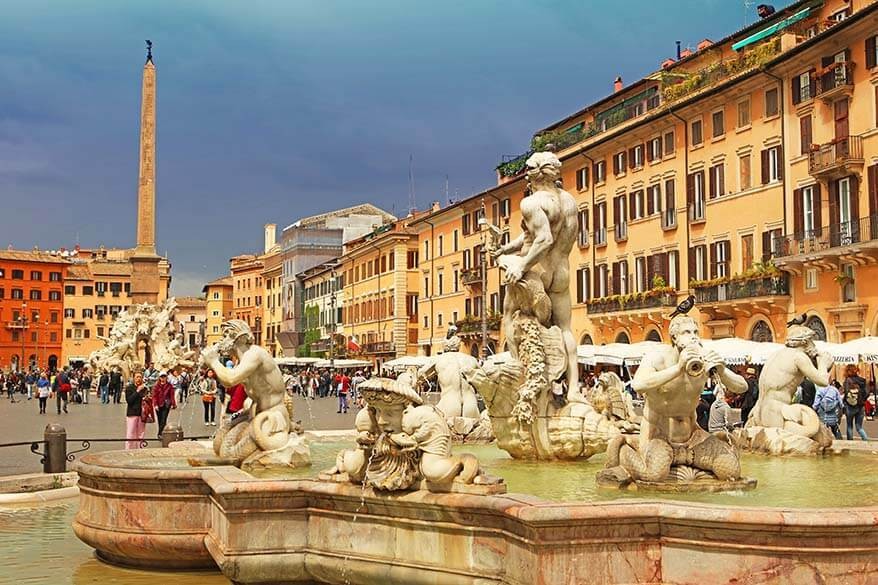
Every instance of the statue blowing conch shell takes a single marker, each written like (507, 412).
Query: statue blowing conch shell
(530, 420)
(404, 444)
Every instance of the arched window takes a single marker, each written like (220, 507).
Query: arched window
(53, 362)
(816, 324)
(761, 332)
(654, 335)
(622, 338)
(586, 340)
(474, 350)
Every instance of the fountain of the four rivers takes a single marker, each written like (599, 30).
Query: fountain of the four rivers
(573, 491)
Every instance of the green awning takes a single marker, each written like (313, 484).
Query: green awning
(767, 32)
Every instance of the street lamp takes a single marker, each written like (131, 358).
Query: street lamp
(332, 324)
(36, 321)
(23, 327)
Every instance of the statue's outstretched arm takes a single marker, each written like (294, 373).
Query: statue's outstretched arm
(806, 367)
(734, 383)
(651, 375)
(230, 376)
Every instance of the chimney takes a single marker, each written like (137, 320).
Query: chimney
(704, 44)
(270, 236)
(435, 207)
(678, 49)
(667, 63)
(617, 85)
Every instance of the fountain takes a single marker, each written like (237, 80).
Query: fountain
(402, 507)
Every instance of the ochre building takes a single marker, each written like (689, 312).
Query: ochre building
(219, 296)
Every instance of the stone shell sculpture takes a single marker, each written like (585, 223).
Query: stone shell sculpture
(404, 444)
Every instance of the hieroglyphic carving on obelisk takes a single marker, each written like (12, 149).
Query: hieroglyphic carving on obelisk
(146, 185)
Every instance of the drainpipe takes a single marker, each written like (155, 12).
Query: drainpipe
(377, 249)
(429, 295)
(783, 141)
(685, 186)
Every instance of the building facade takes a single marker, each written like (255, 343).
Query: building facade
(380, 283)
(191, 322)
(220, 303)
(246, 272)
(323, 294)
(31, 309)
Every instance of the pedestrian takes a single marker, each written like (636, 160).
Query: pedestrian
(719, 413)
(85, 386)
(827, 403)
(116, 386)
(208, 397)
(184, 385)
(237, 396)
(135, 427)
(855, 395)
(62, 388)
(164, 399)
(44, 389)
(174, 380)
(750, 397)
(104, 387)
(808, 392)
(355, 388)
(343, 388)
(30, 381)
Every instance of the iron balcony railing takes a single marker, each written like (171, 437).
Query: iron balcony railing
(633, 302)
(600, 236)
(669, 219)
(846, 233)
(835, 154)
(836, 75)
(378, 347)
(471, 275)
(621, 232)
(697, 211)
(743, 289)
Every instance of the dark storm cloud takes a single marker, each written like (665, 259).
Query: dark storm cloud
(271, 110)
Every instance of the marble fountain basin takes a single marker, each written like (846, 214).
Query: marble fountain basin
(810, 520)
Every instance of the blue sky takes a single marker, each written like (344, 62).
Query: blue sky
(269, 110)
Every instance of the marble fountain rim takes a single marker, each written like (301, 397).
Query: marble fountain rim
(227, 482)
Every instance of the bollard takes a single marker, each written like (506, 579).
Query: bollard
(171, 433)
(55, 438)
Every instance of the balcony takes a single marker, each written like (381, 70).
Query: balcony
(697, 211)
(653, 299)
(835, 159)
(471, 276)
(836, 81)
(738, 289)
(856, 239)
(16, 325)
(378, 347)
(321, 345)
(669, 219)
(582, 239)
(471, 325)
(620, 231)
(600, 236)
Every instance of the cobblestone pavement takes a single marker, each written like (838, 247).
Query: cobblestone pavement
(21, 421)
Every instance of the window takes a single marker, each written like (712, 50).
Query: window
(582, 222)
(697, 136)
(53, 317)
(426, 249)
(426, 287)
(771, 165)
(669, 215)
(439, 245)
(805, 134)
(654, 149)
(69, 290)
(811, 279)
(744, 172)
(718, 121)
(37, 295)
(636, 205)
(601, 284)
(87, 313)
(600, 171)
(771, 103)
(36, 275)
(640, 274)
(464, 224)
(620, 218)
(506, 208)
(69, 313)
(804, 86)
(654, 199)
(840, 15)
(717, 180)
(720, 259)
(695, 195)
(636, 156)
(806, 211)
(583, 285)
(744, 113)
(55, 276)
(746, 252)
(620, 163)
(848, 291)
(670, 143)
(2, 293)
(68, 333)
(439, 281)
(871, 52)
(77, 333)
(426, 322)
(581, 179)
(600, 224)
(698, 263)
(17, 294)
(455, 279)
(467, 259)
(18, 275)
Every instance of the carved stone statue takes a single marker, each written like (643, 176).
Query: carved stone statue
(776, 425)
(530, 415)
(260, 436)
(457, 400)
(404, 444)
(672, 451)
(609, 398)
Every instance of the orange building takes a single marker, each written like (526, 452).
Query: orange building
(380, 286)
(743, 173)
(31, 308)
(246, 271)
(219, 296)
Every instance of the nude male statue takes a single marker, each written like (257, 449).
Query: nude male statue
(543, 250)
(457, 396)
(782, 374)
(669, 432)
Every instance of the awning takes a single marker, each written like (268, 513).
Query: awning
(289, 341)
(767, 32)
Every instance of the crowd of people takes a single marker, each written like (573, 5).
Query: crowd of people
(323, 383)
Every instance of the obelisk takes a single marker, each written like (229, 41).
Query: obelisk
(145, 280)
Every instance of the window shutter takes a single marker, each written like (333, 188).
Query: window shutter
(833, 206)
(721, 173)
(597, 285)
(766, 246)
(780, 162)
(712, 183)
(632, 205)
(690, 189)
(616, 164)
(818, 211)
(658, 150)
(579, 291)
(713, 259)
(798, 214)
(649, 151)
(624, 164)
(666, 268)
(676, 283)
(813, 84)
(586, 283)
(855, 199)
(797, 89)
(650, 196)
(631, 158)
(805, 133)
(670, 203)
(728, 261)
(872, 174)
(764, 155)
(594, 170)
(692, 270)
(870, 53)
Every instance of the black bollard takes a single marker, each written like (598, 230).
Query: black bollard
(55, 439)
(171, 433)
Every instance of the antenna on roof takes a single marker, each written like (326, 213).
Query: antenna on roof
(412, 205)
(748, 5)
(447, 200)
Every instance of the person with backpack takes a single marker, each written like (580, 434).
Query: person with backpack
(827, 404)
(61, 386)
(855, 395)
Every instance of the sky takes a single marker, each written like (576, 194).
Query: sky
(272, 110)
